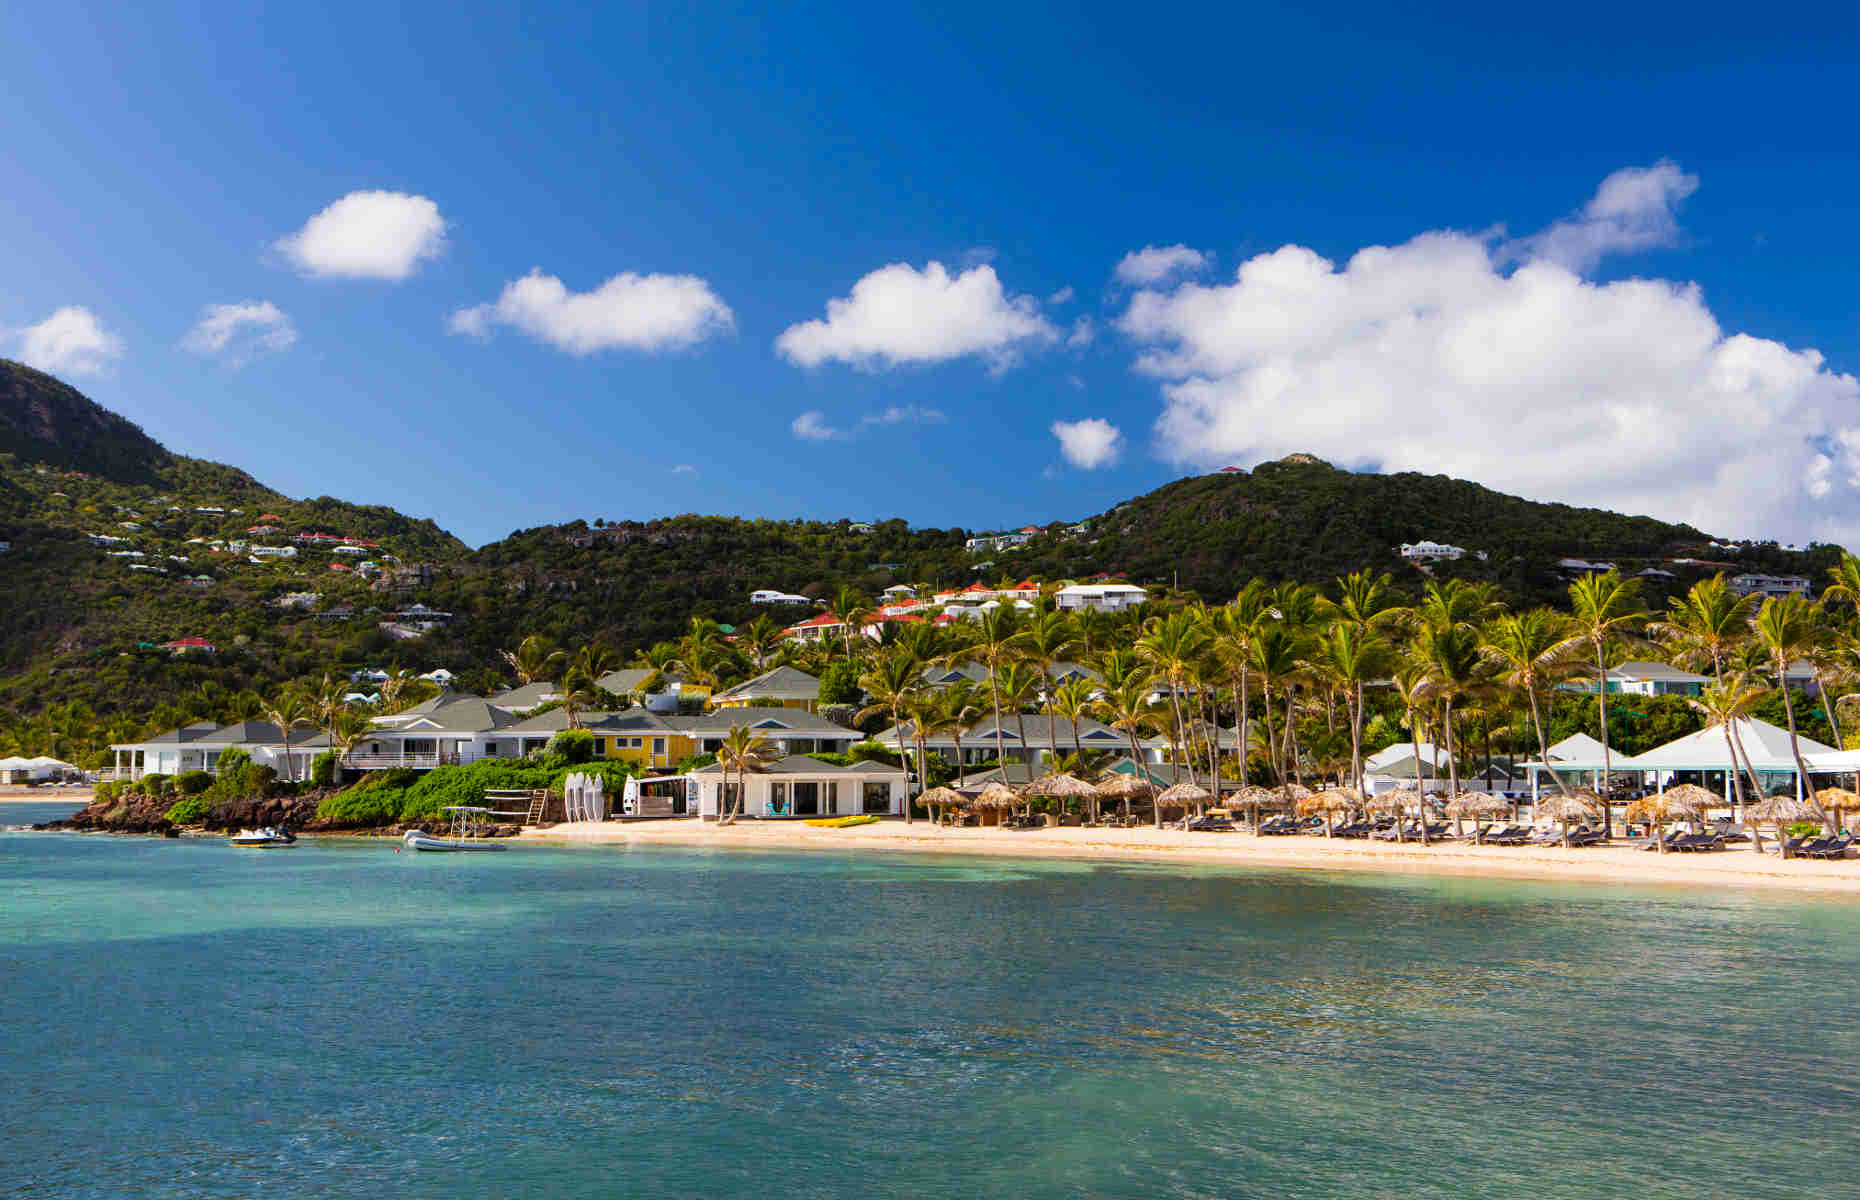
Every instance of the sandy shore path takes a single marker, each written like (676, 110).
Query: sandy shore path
(1737, 867)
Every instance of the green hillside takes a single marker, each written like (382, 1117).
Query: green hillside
(119, 545)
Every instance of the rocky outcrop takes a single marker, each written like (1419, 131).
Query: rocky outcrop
(122, 814)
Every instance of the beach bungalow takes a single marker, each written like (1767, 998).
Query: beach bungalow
(635, 734)
(198, 747)
(1640, 678)
(451, 729)
(789, 730)
(1702, 752)
(783, 687)
(798, 787)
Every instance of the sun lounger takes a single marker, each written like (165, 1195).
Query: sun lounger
(1587, 837)
(1834, 847)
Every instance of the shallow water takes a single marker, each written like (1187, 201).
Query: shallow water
(185, 1019)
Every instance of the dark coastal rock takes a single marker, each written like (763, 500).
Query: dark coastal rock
(121, 814)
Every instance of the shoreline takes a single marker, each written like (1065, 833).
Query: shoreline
(1736, 867)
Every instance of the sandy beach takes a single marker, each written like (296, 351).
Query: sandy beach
(1736, 867)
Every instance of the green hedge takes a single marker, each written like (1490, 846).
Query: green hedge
(192, 783)
(384, 797)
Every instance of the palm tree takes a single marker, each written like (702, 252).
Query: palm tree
(853, 610)
(1236, 625)
(893, 684)
(1605, 607)
(1458, 602)
(1532, 652)
(997, 641)
(1171, 644)
(1725, 703)
(578, 692)
(1706, 624)
(958, 708)
(1354, 656)
(743, 751)
(1047, 640)
(759, 637)
(1274, 656)
(288, 712)
(1786, 629)
(534, 659)
(1455, 671)
(397, 682)
(1073, 701)
(1125, 706)
(1017, 686)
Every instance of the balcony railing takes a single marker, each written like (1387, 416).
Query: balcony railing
(377, 762)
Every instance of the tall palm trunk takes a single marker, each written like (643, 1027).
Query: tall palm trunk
(1803, 787)
(1543, 745)
(1291, 739)
(1272, 737)
(1052, 737)
(962, 767)
(897, 723)
(1601, 703)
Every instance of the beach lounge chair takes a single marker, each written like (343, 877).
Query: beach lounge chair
(1587, 837)
(1834, 847)
(1511, 835)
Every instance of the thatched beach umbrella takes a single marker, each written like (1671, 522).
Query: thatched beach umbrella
(1329, 802)
(1123, 787)
(1475, 805)
(1580, 804)
(1252, 798)
(1837, 800)
(1061, 787)
(1180, 795)
(1782, 812)
(944, 798)
(998, 795)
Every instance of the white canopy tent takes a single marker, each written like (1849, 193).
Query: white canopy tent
(1765, 746)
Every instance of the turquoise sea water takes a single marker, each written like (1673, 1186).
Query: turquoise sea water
(184, 1019)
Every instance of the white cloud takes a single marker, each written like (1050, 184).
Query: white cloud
(1428, 356)
(368, 235)
(813, 426)
(1083, 331)
(1634, 209)
(684, 469)
(898, 315)
(909, 414)
(1153, 264)
(72, 341)
(241, 332)
(1090, 443)
(1062, 296)
(632, 312)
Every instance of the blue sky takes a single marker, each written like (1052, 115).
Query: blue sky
(1614, 246)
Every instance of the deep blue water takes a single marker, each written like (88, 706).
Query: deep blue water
(184, 1019)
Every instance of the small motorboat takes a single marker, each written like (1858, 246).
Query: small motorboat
(264, 838)
(462, 837)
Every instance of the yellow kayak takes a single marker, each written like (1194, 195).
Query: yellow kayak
(838, 822)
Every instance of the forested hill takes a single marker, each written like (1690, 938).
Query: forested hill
(119, 545)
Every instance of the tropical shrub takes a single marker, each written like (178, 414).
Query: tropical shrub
(571, 746)
(361, 807)
(323, 769)
(192, 783)
(191, 809)
(874, 752)
(839, 683)
(157, 785)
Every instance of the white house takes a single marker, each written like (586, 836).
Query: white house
(1105, 597)
(798, 787)
(1769, 585)
(1425, 551)
(198, 747)
(772, 596)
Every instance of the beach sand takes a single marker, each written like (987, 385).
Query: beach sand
(1735, 867)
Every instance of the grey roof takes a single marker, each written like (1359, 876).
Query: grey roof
(240, 733)
(782, 683)
(467, 714)
(801, 764)
(527, 696)
(1016, 774)
(1091, 734)
(795, 721)
(939, 675)
(625, 720)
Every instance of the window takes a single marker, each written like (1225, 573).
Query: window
(778, 799)
(806, 798)
(877, 797)
(658, 747)
(490, 749)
